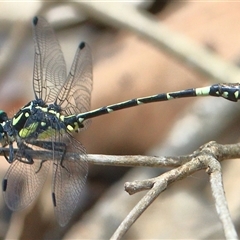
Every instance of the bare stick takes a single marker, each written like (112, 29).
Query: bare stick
(206, 157)
(220, 199)
(136, 212)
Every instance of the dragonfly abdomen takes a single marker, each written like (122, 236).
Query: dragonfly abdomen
(72, 123)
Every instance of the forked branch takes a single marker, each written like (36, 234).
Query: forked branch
(207, 157)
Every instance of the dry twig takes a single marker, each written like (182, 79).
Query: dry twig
(206, 157)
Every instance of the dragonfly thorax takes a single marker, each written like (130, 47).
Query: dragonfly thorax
(37, 120)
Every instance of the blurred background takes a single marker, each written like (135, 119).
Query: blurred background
(127, 65)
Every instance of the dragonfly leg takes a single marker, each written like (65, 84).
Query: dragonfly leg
(9, 158)
(40, 166)
(25, 158)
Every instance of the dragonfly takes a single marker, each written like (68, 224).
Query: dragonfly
(60, 108)
(38, 126)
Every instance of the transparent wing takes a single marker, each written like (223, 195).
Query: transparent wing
(69, 174)
(23, 183)
(69, 178)
(49, 72)
(75, 95)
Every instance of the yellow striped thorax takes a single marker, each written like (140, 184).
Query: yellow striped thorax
(20, 118)
(38, 120)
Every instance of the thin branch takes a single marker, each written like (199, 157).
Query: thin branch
(137, 160)
(220, 199)
(222, 152)
(109, 160)
(206, 157)
(171, 176)
(157, 185)
(137, 211)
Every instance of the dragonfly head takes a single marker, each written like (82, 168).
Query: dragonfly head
(3, 136)
(3, 116)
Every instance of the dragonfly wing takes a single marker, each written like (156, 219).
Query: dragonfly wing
(69, 178)
(75, 95)
(49, 65)
(23, 182)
